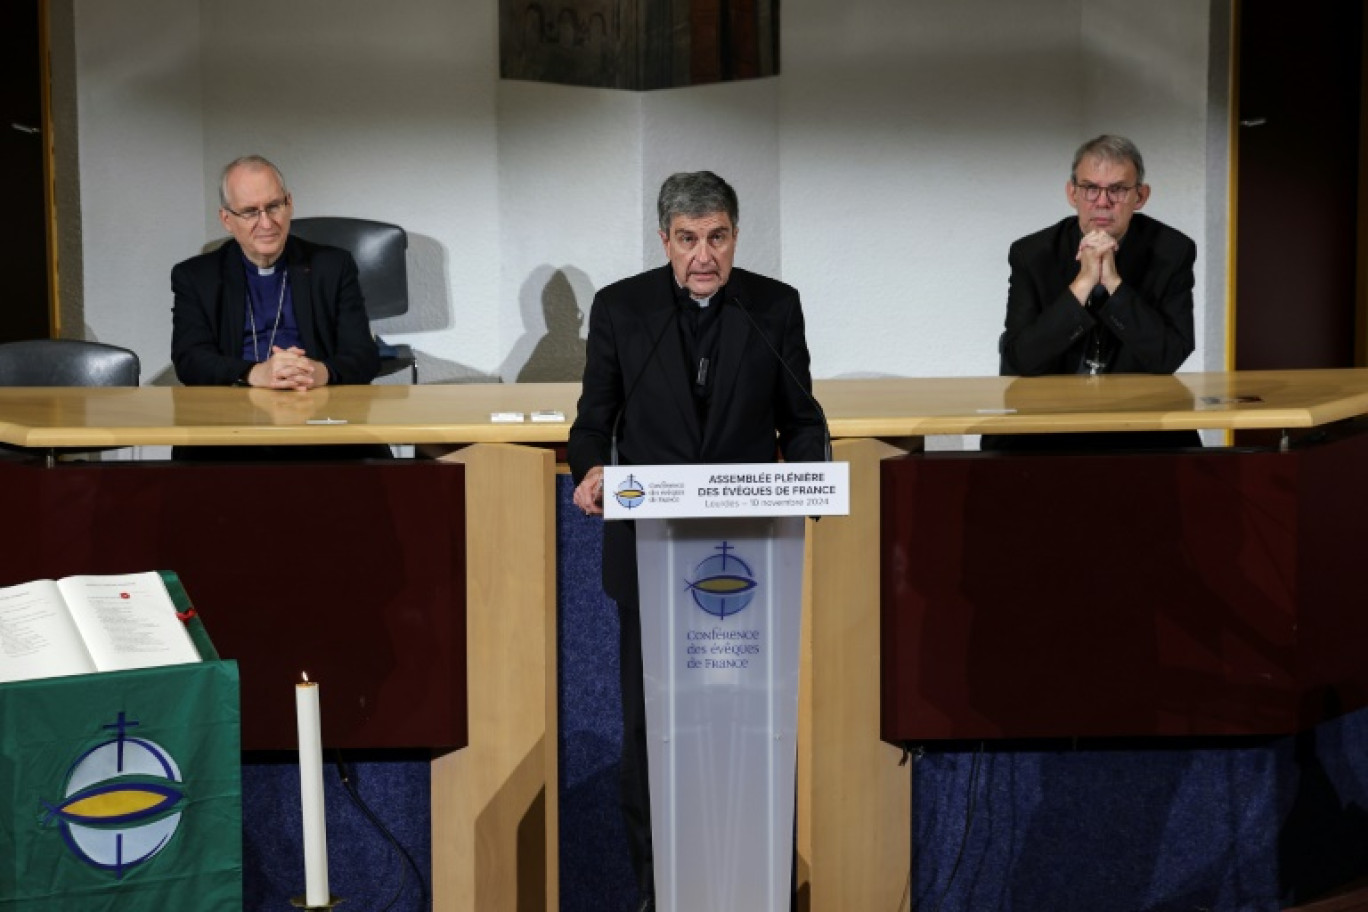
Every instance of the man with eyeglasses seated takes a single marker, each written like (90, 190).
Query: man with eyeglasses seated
(1107, 290)
(268, 310)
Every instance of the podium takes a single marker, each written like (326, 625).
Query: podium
(720, 578)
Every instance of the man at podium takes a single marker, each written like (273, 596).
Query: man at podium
(692, 362)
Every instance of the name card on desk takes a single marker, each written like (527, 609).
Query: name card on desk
(693, 491)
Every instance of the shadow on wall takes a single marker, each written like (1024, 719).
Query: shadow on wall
(428, 291)
(550, 348)
(430, 310)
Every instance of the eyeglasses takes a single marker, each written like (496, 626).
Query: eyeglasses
(1117, 193)
(271, 211)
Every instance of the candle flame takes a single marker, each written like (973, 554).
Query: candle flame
(305, 676)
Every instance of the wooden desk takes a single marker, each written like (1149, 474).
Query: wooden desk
(883, 408)
(854, 801)
(191, 416)
(1124, 402)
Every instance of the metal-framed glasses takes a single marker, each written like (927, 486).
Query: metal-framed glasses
(1117, 193)
(270, 210)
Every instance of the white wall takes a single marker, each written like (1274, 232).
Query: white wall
(732, 130)
(569, 180)
(921, 137)
(141, 119)
(1146, 75)
(383, 111)
(579, 171)
(884, 173)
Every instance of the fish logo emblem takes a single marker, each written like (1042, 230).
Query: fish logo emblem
(630, 493)
(122, 802)
(723, 583)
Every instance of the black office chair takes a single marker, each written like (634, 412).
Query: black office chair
(378, 248)
(67, 362)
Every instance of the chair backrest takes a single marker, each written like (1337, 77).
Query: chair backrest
(378, 248)
(66, 362)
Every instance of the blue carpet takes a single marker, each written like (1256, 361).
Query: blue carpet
(363, 868)
(596, 873)
(1149, 826)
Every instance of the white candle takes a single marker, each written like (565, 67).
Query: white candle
(311, 794)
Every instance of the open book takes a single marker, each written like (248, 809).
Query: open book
(83, 624)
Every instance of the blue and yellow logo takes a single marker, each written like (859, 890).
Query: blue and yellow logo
(630, 493)
(723, 584)
(122, 802)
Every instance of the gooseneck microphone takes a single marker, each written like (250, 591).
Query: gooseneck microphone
(826, 429)
(627, 397)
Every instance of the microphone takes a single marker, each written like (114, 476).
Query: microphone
(617, 418)
(826, 429)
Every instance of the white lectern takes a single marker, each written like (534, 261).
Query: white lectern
(720, 573)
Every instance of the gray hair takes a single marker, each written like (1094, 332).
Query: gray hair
(1110, 148)
(256, 163)
(694, 195)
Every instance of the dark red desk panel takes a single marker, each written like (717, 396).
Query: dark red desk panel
(1203, 593)
(353, 572)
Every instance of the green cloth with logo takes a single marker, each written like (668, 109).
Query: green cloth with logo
(123, 790)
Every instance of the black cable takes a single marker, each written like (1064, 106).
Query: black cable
(755, 324)
(350, 788)
(968, 822)
(627, 396)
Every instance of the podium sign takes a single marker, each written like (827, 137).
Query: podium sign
(749, 489)
(721, 619)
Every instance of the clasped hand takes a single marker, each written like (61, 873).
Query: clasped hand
(289, 369)
(1096, 265)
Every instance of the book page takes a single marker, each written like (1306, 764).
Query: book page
(128, 621)
(38, 638)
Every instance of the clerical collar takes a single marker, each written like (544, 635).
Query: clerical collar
(254, 269)
(683, 294)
